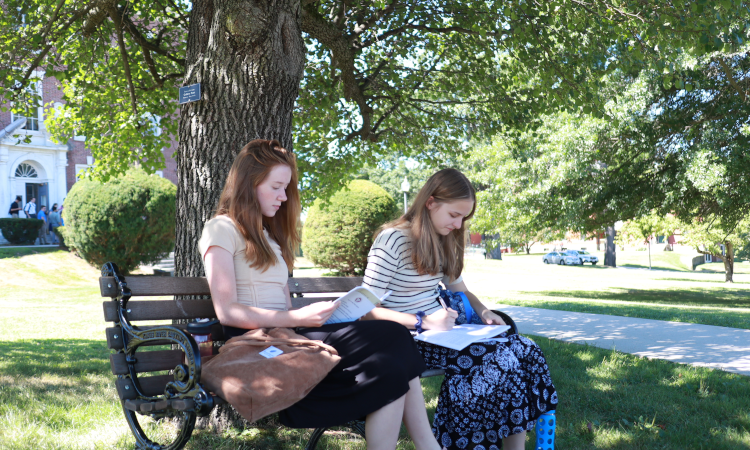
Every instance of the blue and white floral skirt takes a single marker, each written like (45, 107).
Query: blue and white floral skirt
(490, 391)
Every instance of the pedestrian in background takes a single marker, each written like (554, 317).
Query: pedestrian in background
(54, 222)
(15, 207)
(30, 209)
(43, 230)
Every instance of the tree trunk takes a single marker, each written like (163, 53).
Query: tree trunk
(728, 262)
(249, 58)
(495, 253)
(610, 255)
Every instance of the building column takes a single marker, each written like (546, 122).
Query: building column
(61, 182)
(5, 193)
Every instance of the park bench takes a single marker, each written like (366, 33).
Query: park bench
(158, 366)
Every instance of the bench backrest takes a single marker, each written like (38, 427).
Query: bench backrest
(141, 308)
(152, 286)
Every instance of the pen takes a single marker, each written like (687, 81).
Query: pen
(442, 303)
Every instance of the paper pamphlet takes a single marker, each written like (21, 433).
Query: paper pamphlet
(355, 304)
(462, 335)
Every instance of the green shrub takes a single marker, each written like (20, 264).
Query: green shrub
(61, 235)
(338, 235)
(20, 231)
(128, 220)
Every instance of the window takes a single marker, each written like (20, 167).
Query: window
(34, 93)
(26, 171)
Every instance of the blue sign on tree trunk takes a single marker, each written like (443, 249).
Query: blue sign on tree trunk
(190, 93)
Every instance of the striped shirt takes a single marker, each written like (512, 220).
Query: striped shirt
(389, 268)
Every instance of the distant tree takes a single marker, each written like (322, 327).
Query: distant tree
(513, 176)
(389, 174)
(643, 229)
(709, 234)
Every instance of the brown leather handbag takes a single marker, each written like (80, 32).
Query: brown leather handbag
(257, 385)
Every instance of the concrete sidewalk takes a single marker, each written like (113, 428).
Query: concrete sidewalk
(701, 345)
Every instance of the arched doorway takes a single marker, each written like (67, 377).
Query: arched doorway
(31, 182)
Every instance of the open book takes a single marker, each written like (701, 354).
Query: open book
(462, 335)
(355, 304)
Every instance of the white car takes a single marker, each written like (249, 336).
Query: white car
(561, 258)
(584, 256)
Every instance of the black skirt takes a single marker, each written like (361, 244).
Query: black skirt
(378, 358)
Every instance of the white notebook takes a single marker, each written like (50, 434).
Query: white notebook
(462, 335)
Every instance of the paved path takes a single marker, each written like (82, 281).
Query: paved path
(701, 345)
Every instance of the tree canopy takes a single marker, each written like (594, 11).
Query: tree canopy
(381, 76)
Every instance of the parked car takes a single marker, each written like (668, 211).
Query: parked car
(561, 258)
(584, 256)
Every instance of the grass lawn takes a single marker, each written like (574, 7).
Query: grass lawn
(57, 392)
(629, 290)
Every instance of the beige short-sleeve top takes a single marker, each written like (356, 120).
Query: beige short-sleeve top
(254, 288)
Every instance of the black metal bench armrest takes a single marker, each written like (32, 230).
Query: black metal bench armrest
(186, 384)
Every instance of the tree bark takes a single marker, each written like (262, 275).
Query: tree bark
(249, 58)
(610, 255)
(728, 262)
(495, 253)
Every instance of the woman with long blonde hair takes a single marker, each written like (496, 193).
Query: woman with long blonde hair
(248, 251)
(492, 391)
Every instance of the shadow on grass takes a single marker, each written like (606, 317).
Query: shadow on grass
(718, 297)
(610, 400)
(59, 357)
(18, 252)
(639, 266)
(701, 281)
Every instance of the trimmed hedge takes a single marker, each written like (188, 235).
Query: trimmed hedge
(20, 231)
(129, 220)
(61, 235)
(337, 235)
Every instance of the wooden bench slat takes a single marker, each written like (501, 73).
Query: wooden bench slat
(161, 310)
(115, 343)
(432, 373)
(150, 286)
(134, 405)
(147, 361)
(151, 386)
(323, 285)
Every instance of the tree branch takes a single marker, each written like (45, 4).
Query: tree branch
(124, 55)
(43, 53)
(342, 57)
(405, 28)
(364, 26)
(728, 72)
(98, 12)
(140, 39)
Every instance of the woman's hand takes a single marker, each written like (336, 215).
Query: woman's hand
(314, 315)
(443, 320)
(490, 318)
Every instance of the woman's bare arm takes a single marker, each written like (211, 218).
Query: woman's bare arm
(223, 284)
(439, 320)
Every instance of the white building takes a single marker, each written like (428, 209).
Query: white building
(40, 168)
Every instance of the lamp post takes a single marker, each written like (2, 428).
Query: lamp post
(405, 186)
